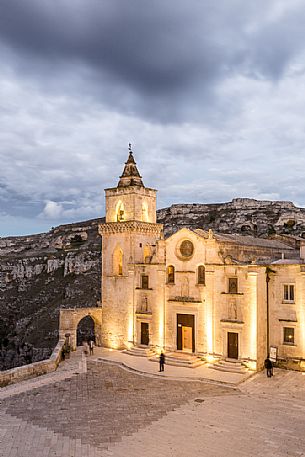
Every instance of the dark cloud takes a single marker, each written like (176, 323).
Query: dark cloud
(162, 60)
(212, 93)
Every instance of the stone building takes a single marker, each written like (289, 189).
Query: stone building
(216, 295)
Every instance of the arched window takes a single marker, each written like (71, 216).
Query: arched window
(201, 275)
(120, 212)
(147, 254)
(118, 261)
(170, 274)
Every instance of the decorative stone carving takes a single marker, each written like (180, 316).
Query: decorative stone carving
(186, 248)
(185, 289)
(130, 226)
(232, 309)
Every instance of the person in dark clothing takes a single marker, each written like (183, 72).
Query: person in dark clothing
(91, 345)
(269, 367)
(162, 361)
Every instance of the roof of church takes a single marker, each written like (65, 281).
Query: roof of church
(245, 240)
(130, 175)
(287, 262)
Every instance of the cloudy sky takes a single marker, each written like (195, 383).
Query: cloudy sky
(211, 94)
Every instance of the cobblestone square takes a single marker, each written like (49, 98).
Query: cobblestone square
(110, 411)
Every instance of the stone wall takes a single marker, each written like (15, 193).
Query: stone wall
(33, 369)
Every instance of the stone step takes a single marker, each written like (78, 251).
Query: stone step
(139, 351)
(180, 360)
(229, 366)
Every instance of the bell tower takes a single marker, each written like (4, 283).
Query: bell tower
(130, 200)
(129, 236)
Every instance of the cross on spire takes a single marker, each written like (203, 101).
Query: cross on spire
(130, 175)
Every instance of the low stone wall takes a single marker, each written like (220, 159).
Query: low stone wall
(32, 369)
(291, 364)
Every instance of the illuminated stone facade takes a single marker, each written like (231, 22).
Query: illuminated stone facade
(197, 291)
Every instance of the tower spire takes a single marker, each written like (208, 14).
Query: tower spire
(130, 175)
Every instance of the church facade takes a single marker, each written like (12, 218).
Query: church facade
(216, 295)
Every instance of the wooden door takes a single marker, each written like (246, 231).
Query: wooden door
(187, 339)
(144, 333)
(186, 332)
(232, 345)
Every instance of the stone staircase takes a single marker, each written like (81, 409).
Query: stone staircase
(229, 365)
(140, 351)
(179, 359)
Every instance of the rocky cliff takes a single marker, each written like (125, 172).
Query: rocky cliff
(241, 215)
(39, 274)
(61, 268)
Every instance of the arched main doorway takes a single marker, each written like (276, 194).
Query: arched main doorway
(87, 320)
(85, 330)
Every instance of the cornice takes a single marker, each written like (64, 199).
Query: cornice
(130, 227)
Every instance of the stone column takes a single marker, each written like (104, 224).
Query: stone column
(208, 340)
(250, 336)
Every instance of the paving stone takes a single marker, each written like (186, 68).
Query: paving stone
(108, 411)
(100, 406)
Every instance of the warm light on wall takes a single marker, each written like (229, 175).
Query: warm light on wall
(251, 365)
(113, 343)
(161, 330)
(115, 339)
(128, 344)
(252, 277)
(130, 327)
(145, 212)
(301, 308)
(209, 329)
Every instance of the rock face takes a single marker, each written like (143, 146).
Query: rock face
(61, 268)
(39, 274)
(241, 215)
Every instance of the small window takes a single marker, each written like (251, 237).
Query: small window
(201, 275)
(288, 292)
(288, 335)
(120, 212)
(171, 274)
(118, 261)
(233, 286)
(144, 282)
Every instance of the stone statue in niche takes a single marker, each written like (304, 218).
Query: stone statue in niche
(232, 311)
(144, 304)
(185, 287)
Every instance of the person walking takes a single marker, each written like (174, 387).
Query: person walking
(91, 345)
(269, 367)
(162, 361)
(85, 347)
